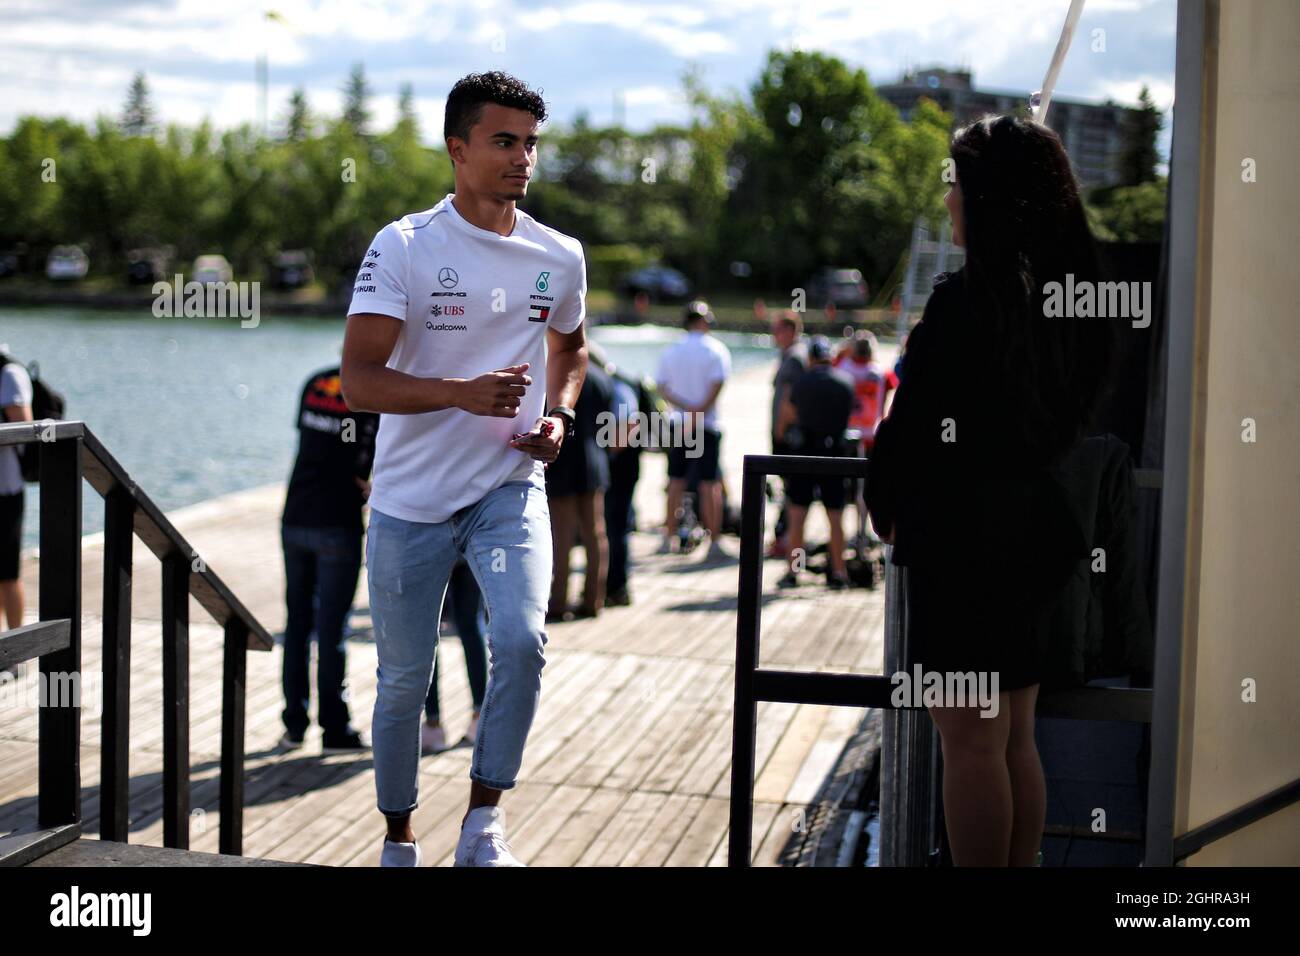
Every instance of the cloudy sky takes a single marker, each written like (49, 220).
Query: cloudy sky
(75, 57)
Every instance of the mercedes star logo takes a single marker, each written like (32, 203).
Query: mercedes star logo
(447, 277)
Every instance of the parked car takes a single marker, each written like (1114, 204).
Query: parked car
(844, 287)
(66, 263)
(148, 265)
(291, 269)
(211, 268)
(659, 282)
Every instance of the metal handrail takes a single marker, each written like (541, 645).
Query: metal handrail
(69, 452)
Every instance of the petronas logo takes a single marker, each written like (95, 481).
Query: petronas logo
(543, 281)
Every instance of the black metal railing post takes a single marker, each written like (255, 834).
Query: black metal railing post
(749, 619)
(59, 721)
(115, 766)
(176, 699)
(233, 685)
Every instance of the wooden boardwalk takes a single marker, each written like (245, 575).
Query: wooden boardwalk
(628, 761)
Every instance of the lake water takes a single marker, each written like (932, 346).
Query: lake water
(196, 408)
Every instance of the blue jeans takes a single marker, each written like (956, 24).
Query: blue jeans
(506, 540)
(321, 566)
(465, 604)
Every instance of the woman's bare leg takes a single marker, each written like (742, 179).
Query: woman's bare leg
(976, 785)
(564, 525)
(1028, 789)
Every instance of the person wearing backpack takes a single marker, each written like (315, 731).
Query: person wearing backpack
(16, 402)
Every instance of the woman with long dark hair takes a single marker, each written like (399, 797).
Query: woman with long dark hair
(994, 391)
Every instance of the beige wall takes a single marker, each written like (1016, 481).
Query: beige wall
(1243, 612)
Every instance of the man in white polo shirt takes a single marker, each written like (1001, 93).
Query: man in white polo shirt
(691, 373)
(456, 313)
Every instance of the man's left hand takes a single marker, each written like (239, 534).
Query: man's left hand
(543, 447)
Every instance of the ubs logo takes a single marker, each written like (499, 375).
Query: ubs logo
(447, 277)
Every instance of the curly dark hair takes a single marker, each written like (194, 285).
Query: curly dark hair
(466, 100)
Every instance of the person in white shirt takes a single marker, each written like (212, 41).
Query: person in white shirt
(453, 308)
(691, 373)
(16, 402)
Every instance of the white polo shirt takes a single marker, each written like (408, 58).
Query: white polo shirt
(15, 389)
(471, 301)
(690, 367)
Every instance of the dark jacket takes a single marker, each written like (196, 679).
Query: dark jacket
(950, 476)
(582, 465)
(1100, 625)
(968, 502)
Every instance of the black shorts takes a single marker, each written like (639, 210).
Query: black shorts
(11, 535)
(702, 468)
(800, 490)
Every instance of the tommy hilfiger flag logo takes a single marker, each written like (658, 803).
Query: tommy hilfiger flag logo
(539, 313)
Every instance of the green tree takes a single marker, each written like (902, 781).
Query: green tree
(356, 101)
(138, 115)
(810, 193)
(1139, 157)
(298, 125)
(1130, 213)
(408, 124)
(718, 126)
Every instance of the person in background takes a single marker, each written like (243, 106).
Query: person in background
(993, 394)
(872, 386)
(691, 373)
(624, 451)
(787, 332)
(819, 405)
(575, 487)
(321, 532)
(16, 402)
(466, 601)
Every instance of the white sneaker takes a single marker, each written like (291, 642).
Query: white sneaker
(400, 854)
(433, 740)
(483, 839)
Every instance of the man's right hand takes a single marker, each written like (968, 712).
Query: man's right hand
(495, 394)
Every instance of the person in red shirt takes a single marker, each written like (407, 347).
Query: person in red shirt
(872, 385)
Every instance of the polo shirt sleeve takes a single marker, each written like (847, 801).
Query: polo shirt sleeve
(721, 364)
(568, 315)
(663, 371)
(380, 285)
(15, 386)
